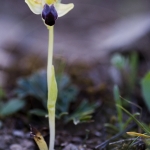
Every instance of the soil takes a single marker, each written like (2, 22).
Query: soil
(15, 130)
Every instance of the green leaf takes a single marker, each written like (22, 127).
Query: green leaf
(146, 89)
(82, 119)
(2, 93)
(133, 70)
(61, 114)
(83, 112)
(65, 97)
(35, 85)
(129, 120)
(118, 101)
(11, 107)
(38, 112)
(64, 80)
(141, 125)
(111, 126)
(52, 91)
(116, 94)
(119, 61)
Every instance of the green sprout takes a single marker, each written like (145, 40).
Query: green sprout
(145, 84)
(127, 66)
(50, 10)
(121, 123)
(118, 101)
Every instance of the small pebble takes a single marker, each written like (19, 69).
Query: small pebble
(26, 144)
(7, 138)
(15, 147)
(71, 147)
(18, 133)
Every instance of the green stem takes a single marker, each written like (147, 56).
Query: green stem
(50, 51)
(52, 129)
(51, 110)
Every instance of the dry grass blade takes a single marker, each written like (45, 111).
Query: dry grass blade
(38, 138)
(138, 134)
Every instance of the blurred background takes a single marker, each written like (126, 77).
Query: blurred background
(98, 44)
(90, 33)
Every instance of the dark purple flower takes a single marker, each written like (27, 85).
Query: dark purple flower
(49, 14)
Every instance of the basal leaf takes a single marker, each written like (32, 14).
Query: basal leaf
(38, 112)
(11, 107)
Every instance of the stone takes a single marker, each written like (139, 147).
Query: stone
(16, 147)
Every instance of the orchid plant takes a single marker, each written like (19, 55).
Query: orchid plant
(50, 10)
